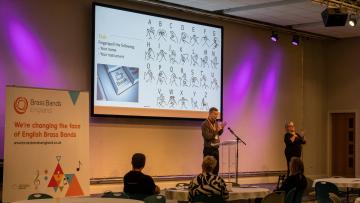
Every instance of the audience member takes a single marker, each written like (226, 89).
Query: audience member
(137, 183)
(296, 178)
(207, 183)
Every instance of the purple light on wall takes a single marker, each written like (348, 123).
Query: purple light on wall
(269, 86)
(2, 106)
(237, 87)
(24, 60)
(2, 84)
(31, 56)
(27, 49)
(2, 91)
(267, 91)
(28, 53)
(237, 92)
(241, 80)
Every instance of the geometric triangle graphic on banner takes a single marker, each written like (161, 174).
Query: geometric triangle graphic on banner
(55, 189)
(58, 178)
(74, 96)
(58, 170)
(69, 178)
(53, 182)
(61, 188)
(74, 188)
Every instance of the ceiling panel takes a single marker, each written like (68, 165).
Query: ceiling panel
(285, 15)
(214, 5)
(338, 32)
(300, 14)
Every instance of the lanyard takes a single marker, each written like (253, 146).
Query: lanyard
(212, 126)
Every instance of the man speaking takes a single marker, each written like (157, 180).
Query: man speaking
(211, 130)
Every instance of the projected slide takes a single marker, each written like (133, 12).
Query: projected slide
(146, 65)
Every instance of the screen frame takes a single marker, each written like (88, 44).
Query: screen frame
(92, 95)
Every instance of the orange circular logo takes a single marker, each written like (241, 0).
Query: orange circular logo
(21, 105)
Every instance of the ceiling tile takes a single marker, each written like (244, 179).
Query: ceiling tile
(302, 15)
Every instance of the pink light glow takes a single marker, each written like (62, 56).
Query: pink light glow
(267, 92)
(27, 50)
(31, 57)
(2, 107)
(237, 88)
(25, 60)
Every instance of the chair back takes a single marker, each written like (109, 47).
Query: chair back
(110, 194)
(208, 199)
(39, 196)
(155, 199)
(290, 196)
(322, 190)
(274, 197)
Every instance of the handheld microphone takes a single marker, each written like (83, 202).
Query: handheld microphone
(230, 130)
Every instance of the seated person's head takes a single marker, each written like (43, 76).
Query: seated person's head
(209, 164)
(138, 161)
(296, 166)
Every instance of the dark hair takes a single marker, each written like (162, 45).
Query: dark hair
(213, 109)
(296, 166)
(138, 160)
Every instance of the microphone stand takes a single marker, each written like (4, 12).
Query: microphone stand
(238, 139)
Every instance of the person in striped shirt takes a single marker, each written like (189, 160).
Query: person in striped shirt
(208, 183)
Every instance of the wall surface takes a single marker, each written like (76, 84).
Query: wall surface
(314, 108)
(343, 83)
(48, 44)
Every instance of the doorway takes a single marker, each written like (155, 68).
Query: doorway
(343, 144)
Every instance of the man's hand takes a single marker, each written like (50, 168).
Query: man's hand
(222, 125)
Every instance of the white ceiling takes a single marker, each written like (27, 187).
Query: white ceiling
(303, 15)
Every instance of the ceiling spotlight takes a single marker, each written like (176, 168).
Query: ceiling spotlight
(334, 17)
(352, 20)
(274, 36)
(296, 40)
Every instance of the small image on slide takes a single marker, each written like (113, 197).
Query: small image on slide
(117, 83)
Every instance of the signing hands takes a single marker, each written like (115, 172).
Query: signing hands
(222, 125)
(299, 136)
(293, 137)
